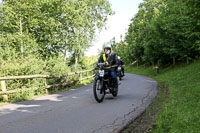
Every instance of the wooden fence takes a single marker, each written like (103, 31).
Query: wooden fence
(4, 91)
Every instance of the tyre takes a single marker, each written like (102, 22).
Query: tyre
(120, 78)
(120, 75)
(98, 91)
(115, 91)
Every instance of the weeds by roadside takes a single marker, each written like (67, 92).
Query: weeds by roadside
(180, 113)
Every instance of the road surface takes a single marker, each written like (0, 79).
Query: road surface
(76, 111)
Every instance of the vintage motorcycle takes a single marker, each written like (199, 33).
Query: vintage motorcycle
(103, 83)
(119, 72)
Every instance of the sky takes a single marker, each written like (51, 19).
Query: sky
(117, 24)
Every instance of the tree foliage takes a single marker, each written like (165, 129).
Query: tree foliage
(163, 32)
(50, 27)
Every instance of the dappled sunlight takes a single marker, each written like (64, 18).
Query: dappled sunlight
(74, 97)
(54, 97)
(88, 90)
(152, 81)
(16, 107)
(72, 89)
(29, 106)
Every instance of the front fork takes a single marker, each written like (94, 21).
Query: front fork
(101, 85)
(104, 85)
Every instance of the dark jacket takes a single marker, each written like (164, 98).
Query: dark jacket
(112, 59)
(121, 62)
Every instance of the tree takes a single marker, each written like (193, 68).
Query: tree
(164, 30)
(52, 27)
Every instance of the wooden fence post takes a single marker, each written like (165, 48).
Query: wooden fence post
(3, 86)
(45, 82)
(80, 77)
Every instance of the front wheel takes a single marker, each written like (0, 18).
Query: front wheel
(98, 91)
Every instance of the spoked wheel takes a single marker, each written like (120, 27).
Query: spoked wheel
(98, 91)
(115, 90)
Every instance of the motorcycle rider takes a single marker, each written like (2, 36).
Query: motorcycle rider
(111, 62)
(121, 63)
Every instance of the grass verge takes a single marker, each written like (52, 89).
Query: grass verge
(174, 113)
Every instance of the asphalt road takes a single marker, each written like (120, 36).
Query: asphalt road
(76, 111)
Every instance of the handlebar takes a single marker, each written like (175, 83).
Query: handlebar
(102, 65)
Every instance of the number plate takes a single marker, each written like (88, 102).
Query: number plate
(101, 73)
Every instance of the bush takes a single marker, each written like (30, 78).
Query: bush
(31, 66)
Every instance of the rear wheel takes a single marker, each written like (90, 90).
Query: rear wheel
(120, 75)
(98, 91)
(120, 78)
(115, 90)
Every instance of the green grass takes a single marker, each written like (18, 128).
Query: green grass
(181, 114)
